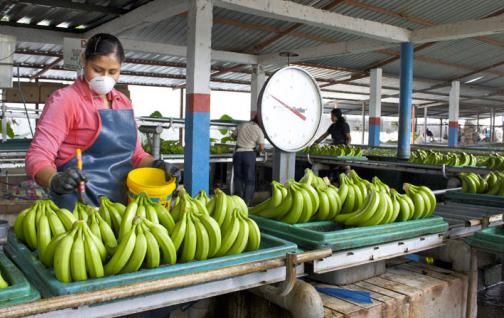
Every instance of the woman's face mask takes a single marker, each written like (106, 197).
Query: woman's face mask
(102, 85)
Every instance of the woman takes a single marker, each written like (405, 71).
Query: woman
(339, 129)
(93, 116)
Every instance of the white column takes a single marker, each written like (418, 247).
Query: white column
(197, 120)
(257, 82)
(375, 107)
(453, 114)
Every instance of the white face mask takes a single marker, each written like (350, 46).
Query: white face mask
(102, 84)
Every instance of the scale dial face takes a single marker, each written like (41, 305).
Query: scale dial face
(290, 109)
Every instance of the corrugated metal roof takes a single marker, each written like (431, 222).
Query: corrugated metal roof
(234, 31)
(87, 15)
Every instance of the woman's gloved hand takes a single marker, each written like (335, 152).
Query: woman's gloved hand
(67, 181)
(169, 169)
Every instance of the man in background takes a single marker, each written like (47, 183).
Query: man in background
(248, 136)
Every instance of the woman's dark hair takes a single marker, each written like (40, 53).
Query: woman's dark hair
(103, 44)
(338, 114)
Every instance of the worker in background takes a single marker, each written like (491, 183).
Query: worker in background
(429, 135)
(339, 129)
(248, 136)
(90, 114)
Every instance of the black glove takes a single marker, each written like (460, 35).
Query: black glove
(67, 181)
(169, 169)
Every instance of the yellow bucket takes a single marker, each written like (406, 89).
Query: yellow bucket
(152, 182)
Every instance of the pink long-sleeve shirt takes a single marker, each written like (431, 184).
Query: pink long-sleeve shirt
(71, 120)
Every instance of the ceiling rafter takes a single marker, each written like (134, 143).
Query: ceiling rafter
(420, 21)
(258, 48)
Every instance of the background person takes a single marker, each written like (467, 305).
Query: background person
(248, 136)
(339, 129)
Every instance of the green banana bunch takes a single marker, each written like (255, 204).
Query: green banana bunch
(112, 213)
(330, 203)
(197, 235)
(3, 282)
(202, 197)
(239, 234)
(494, 161)
(474, 183)
(380, 185)
(423, 199)
(431, 157)
(143, 207)
(81, 211)
(352, 195)
(75, 255)
(278, 205)
(103, 231)
(298, 202)
(184, 199)
(406, 206)
(334, 150)
(491, 184)
(38, 224)
(372, 203)
(147, 244)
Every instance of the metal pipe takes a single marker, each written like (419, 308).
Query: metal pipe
(406, 85)
(156, 138)
(302, 302)
(286, 286)
(443, 191)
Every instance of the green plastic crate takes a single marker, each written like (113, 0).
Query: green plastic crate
(491, 238)
(475, 198)
(325, 234)
(43, 278)
(19, 290)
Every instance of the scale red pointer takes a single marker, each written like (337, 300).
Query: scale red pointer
(292, 109)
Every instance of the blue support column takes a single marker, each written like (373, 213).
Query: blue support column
(374, 132)
(406, 87)
(453, 134)
(197, 145)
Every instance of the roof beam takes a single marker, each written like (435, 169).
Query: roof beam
(24, 34)
(146, 14)
(287, 31)
(459, 30)
(328, 50)
(294, 12)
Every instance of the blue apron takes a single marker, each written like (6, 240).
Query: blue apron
(107, 161)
